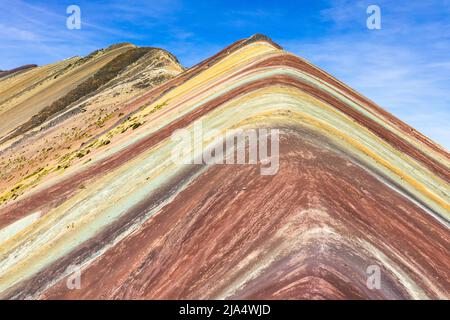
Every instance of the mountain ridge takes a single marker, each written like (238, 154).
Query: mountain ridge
(356, 188)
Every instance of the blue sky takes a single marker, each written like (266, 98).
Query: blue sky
(404, 67)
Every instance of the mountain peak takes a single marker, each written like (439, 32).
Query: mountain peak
(120, 45)
(127, 169)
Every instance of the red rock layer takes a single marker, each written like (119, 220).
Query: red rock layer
(309, 231)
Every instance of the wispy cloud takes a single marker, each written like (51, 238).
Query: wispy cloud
(42, 28)
(408, 74)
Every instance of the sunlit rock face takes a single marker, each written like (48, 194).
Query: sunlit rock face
(95, 207)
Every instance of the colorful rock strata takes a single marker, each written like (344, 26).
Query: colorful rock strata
(356, 189)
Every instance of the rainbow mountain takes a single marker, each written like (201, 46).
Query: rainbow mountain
(88, 183)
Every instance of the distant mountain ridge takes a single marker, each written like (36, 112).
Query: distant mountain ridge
(4, 73)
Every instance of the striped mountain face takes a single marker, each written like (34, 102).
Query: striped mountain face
(252, 175)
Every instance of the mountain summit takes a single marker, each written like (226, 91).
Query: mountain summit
(358, 206)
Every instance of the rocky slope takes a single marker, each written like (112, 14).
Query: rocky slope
(356, 188)
(67, 121)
